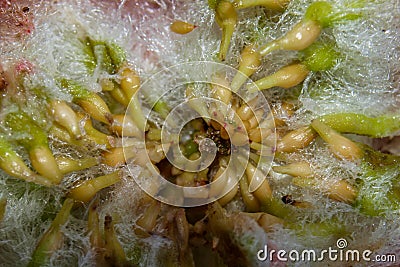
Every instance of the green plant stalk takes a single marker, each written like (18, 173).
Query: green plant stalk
(199, 106)
(52, 239)
(135, 111)
(96, 235)
(381, 126)
(277, 208)
(226, 18)
(161, 108)
(321, 229)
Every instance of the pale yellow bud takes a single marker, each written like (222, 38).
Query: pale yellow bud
(182, 27)
(296, 169)
(95, 106)
(286, 77)
(296, 139)
(130, 82)
(341, 146)
(342, 191)
(301, 36)
(66, 117)
(43, 162)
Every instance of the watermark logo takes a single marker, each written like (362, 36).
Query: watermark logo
(187, 92)
(340, 253)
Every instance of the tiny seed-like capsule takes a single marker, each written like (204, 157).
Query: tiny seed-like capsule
(301, 36)
(256, 119)
(342, 191)
(296, 169)
(296, 139)
(115, 156)
(220, 89)
(182, 27)
(96, 107)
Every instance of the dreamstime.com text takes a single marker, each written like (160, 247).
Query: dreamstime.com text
(337, 254)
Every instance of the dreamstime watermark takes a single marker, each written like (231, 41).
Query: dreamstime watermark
(187, 90)
(334, 254)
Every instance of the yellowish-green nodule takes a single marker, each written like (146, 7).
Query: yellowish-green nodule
(327, 15)
(378, 192)
(20, 122)
(117, 54)
(103, 58)
(319, 11)
(74, 89)
(320, 56)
